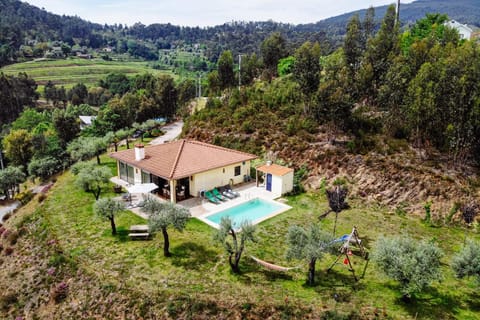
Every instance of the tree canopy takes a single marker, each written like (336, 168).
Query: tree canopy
(91, 178)
(162, 215)
(309, 244)
(414, 264)
(238, 235)
(108, 209)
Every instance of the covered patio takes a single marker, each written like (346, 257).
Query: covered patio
(182, 169)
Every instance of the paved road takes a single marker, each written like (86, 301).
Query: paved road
(172, 131)
(7, 208)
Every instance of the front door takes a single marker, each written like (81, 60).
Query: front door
(269, 182)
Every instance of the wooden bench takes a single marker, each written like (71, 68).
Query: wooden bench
(138, 235)
(139, 231)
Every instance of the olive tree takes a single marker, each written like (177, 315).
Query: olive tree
(84, 148)
(415, 264)
(108, 209)
(44, 167)
(161, 215)
(92, 178)
(238, 238)
(467, 262)
(309, 244)
(10, 179)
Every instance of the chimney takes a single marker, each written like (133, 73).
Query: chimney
(139, 152)
(269, 162)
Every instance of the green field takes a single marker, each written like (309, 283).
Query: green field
(68, 72)
(198, 275)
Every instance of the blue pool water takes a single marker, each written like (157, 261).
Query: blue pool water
(251, 210)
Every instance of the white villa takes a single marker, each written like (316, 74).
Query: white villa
(183, 168)
(464, 30)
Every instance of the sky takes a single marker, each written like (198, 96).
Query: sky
(204, 12)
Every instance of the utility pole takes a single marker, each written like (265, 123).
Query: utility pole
(199, 85)
(239, 71)
(397, 18)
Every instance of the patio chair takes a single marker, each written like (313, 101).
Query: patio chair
(210, 197)
(219, 195)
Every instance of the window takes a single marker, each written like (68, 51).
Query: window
(237, 171)
(126, 172)
(130, 175)
(146, 178)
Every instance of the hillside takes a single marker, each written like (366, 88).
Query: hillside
(69, 266)
(464, 11)
(385, 170)
(23, 24)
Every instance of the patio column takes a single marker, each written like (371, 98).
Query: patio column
(173, 191)
(256, 177)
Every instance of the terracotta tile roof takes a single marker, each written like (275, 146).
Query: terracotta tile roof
(274, 169)
(182, 158)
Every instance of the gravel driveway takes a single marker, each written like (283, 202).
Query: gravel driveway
(172, 131)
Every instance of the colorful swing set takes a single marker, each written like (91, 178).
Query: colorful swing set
(346, 252)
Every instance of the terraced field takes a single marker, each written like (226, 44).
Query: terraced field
(70, 71)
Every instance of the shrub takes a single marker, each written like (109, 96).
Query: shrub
(414, 264)
(42, 197)
(453, 211)
(6, 216)
(298, 176)
(60, 292)
(5, 233)
(12, 237)
(24, 197)
(466, 263)
(8, 251)
(7, 299)
(428, 212)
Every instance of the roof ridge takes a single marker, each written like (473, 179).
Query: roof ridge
(219, 147)
(175, 163)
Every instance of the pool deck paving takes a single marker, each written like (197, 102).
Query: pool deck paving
(199, 206)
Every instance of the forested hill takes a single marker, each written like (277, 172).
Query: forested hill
(26, 27)
(464, 11)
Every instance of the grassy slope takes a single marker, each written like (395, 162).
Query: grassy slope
(198, 270)
(68, 72)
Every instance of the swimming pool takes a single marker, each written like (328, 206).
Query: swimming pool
(255, 210)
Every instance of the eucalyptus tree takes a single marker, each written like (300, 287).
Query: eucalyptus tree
(226, 75)
(306, 69)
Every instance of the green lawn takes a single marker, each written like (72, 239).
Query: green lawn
(68, 72)
(199, 268)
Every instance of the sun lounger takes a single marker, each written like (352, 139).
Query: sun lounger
(219, 195)
(225, 193)
(230, 191)
(210, 197)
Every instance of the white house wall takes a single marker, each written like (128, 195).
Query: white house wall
(277, 185)
(137, 175)
(287, 182)
(218, 177)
